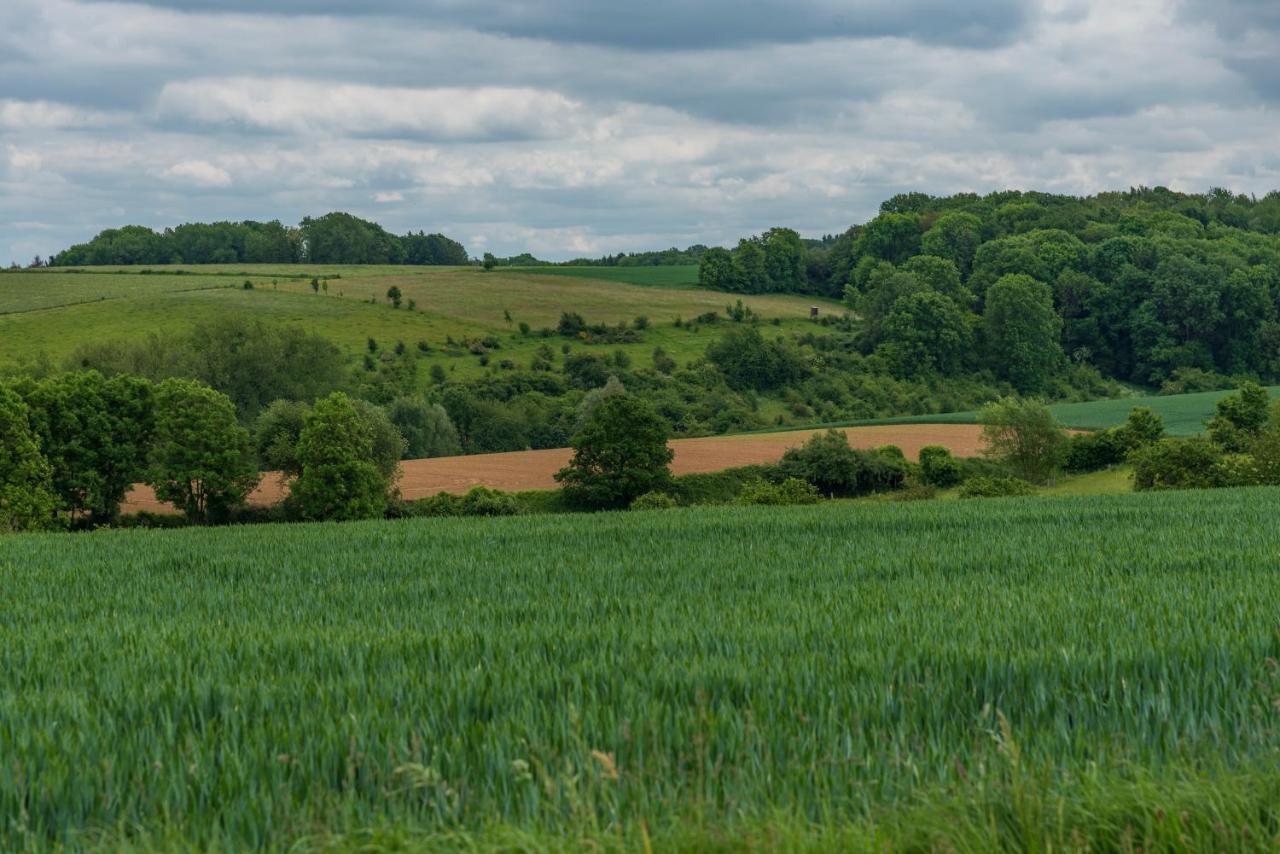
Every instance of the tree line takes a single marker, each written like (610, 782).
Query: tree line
(1148, 286)
(335, 238)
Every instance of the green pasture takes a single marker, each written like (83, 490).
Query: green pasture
(1060, 673)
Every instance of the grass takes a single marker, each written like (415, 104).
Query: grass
(968, 675)
(54, 311)
(679, 276)
(1183, 414)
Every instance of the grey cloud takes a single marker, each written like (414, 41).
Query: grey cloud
(681, 24)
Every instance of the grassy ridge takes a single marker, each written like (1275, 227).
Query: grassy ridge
(54, 311)
(839, 665)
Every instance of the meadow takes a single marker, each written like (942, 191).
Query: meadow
(1183, 414)
(1021, 674)
(52, 312)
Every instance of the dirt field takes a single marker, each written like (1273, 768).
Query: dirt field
(523, 470)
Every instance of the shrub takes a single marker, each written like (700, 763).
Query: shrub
(1093, 451)
(938, 468)
(995, 487)
(480, 501)
(827, 462)
(653, 501)
(1176, 464)
(1024, 435)
(791, 491)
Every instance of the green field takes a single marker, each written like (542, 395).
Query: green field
(675, 276)
(1183, 414)
(52, 312)
(1028, 674)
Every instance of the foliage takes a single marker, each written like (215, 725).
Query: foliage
(793, 490)
(27, 500)
(426, 428)
(1024, 435)
(478, 501)
(341, 477)
(619, 454)
(335, 238)
(95, 434)
(1176, 464)
(200, 460)
(938, 468)
(653, 501)
(1022, 332)
(1239, 418)
(275, 436)
(750, 362)
(827, 462)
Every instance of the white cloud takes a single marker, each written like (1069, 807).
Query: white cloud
(18, 115)
(295, 106)
(388, 198)
(201, 173)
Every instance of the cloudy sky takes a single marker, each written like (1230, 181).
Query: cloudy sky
(572, 127)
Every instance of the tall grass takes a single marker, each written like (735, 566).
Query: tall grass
(997, 671)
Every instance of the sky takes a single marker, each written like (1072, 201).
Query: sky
(570, 127)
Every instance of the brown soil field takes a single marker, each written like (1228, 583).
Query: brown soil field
(518, 471)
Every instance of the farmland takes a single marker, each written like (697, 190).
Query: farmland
(53, 312)
(958, 674)
(1183, 414)
(533, 470)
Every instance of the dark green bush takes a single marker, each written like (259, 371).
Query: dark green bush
(938, 468)
(791, 491)
(653, 501)
(1176, 464)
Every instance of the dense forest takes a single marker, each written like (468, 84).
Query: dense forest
(336, 238)
(1146, 285)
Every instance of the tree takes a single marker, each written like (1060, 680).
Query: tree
(340, 476)
(1240, 417)
(394, 294)
(1024, 435)
(717, 270)
(941, 275)
(925, 333)
(1022, 332)
(750, 362)
(426, 428)
(955, 236)
(784, 259)
(619, 454)
(893, 237)
(27, 501)
(275, 436)
(96, 434)
(200, 461)
(489, 262)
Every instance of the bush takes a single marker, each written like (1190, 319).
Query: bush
(995, 487)
(938, 468)
(1093, 451)
(653, 501)
(1024, 435)
(791, 491)
(1177, 464)
(827, 462)
(480, 501)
